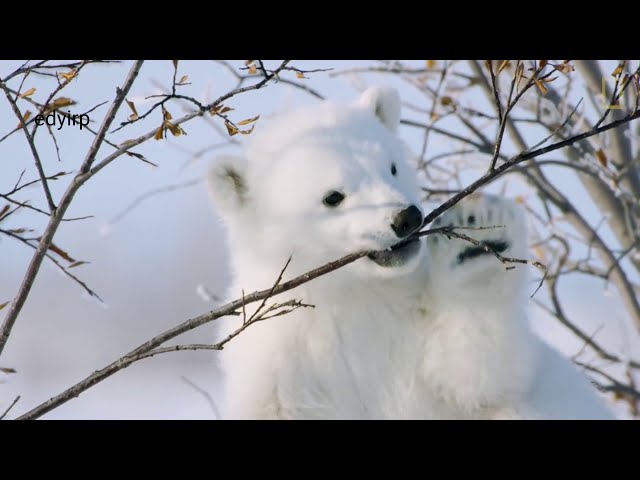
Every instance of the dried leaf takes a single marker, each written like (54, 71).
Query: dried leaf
(25, 116)
(617, 71)
(77, 264)
(247, 62)
(28, 93)
(4, 210)
(231, 128)
(248, 131)
(519, 73)
(248, 120)
(602, 157)
(430, 63)
(175, 64)
(60, 252)
(167, 115)
(226, 109)
(2, 305)
(134, 115)
(183, 80)
(538, 251)
(253, 69)
(68, 76)
(5, 369)
(158, 135)
(543, 63)
(520, 199)
(446, 100)
(300, 75)
(563, 67)
(57, 104)
(541, 86)
(503, 65)
(18, 231)
(174, 129)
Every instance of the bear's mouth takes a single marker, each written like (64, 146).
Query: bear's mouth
(397, 254)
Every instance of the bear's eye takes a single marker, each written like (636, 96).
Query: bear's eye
(394, 170)
(333, 199)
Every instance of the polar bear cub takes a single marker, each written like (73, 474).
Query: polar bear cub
(424, 328)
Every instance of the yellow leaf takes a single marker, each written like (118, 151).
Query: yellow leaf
(2, 305)
(68, 76)
(430, 63)
(248, 120)
(26, 116)
(617, 71)
(167, 115)
(174, 129)
(226, 109)
(28, 93)
(132, 106)
(602, 157)
(541, 86)
(230, 128)
(247, 132)
(158, 135)
(61, 252)
(446, 100)
(503, 65)
(57, 104)
(247, 62)
(520, 199)
(183, 80)
(300, 75)
(252, 69)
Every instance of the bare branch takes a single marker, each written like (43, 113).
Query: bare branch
(10, 407)
(522, 157)
(34, 150)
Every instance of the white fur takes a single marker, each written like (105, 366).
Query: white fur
(429, 339)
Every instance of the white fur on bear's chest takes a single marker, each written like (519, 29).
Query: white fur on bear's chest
(356, 355)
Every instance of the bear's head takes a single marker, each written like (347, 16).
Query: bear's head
(320, 183)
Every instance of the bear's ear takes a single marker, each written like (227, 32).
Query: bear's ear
(384, 102)
(228, 183)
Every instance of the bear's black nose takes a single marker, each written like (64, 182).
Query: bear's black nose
(407, 221)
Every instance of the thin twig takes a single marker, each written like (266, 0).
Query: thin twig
(208, 397)
(10, 407)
